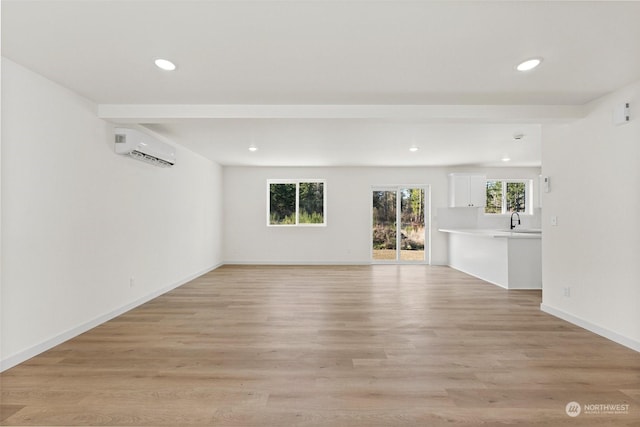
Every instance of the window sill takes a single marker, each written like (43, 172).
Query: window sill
(507, 215)
(296, 225)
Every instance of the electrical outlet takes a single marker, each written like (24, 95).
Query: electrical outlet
(554, 220)
(132, 282)
(566, 291)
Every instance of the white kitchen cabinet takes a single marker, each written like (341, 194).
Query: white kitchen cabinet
(467, 190)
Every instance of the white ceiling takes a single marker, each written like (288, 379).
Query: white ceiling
(353, 142)
(385, 53)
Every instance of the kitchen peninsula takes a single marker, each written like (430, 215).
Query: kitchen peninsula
(510, 259)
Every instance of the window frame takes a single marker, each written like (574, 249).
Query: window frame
(528, 195)
(297, 182)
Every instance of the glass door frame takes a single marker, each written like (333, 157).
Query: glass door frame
(427, 222)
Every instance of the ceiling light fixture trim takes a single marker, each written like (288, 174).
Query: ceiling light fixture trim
(529, 64)
(165, 64)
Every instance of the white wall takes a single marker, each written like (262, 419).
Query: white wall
(78, 221)
(346, 238)
(594, 169)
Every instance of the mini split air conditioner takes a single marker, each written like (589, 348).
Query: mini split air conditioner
(144, 147)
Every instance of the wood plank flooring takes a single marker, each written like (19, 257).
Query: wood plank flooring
(328, 346)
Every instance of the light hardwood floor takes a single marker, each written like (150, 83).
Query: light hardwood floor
(328, 346)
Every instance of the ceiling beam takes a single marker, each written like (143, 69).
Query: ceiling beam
(159, 113)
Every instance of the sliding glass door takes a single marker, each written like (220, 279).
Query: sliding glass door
(399, 224)
(384, 234)
(412, 224)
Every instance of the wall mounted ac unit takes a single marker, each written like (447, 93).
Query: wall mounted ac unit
(144, 147)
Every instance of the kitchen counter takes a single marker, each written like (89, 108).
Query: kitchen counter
(510, 259)
(517, 234)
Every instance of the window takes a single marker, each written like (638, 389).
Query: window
(293, 202)
(506, 196)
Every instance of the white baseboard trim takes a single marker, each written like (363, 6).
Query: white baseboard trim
(283, 263)
(492, 282)
(596, 329)
(476, 276)
(37, 349)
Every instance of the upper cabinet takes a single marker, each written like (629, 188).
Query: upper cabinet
(467, 190)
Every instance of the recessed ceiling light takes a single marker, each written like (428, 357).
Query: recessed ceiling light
(529, 64)
(165, 64)
(506, 158)
(253, 148)
(413, 148)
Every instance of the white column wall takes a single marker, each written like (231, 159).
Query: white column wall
(594, 171)
(80, 222)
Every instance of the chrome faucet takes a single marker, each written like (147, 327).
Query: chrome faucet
(512, 224)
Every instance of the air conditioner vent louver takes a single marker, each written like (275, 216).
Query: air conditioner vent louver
(143, 147)
(150, 159)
